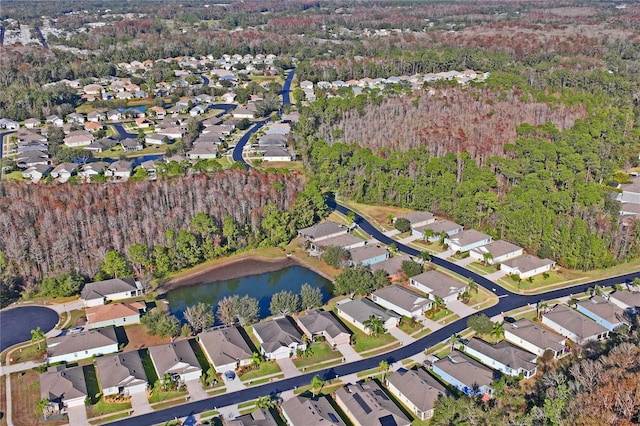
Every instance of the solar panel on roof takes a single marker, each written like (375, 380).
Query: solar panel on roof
(333, 418)
(388, 420)
(362, 404)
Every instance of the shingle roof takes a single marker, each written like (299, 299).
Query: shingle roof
(440, 284)
(362, 309)
(63, 383)
(391, 266)
(344, 240)
(466, 369)
(322, 321)
(370, 405)
(112, 311)
(417, 217)
(627, 298)
(225, 346)
(124, 369)
(536, 334)
(402, 298)
(322, 230)
(498, 248)
(419, 387)
(440, 226)
(527, 263)
(167, 357)
(260, 417)
(311, 412)
(277, 333)
(575, 322)
(470, 236)
(505, 353)
(100, 289)
(83, 341)
(360, 254)
(604, 309)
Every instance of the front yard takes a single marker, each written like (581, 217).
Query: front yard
(322, 352)
(364, 343)
(267, 368)
(25, 394)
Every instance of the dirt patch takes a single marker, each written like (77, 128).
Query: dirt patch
(3, 402)
(139, 338)
(25, 393)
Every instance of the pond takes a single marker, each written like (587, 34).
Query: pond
(261, 286)
(16, 323)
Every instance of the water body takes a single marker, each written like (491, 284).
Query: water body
(261, 286)
(16, 324)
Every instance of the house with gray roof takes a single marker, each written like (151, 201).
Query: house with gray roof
(366, 404)
(418, 219)
(101, 292)
(417, 389)
(225, 348)
(64, 171)
(278, 338)
(604, 312)
(574, 325)
(503, 356)
(322, 231)
(535, 338)
(76, 346)
(630, 192)
(259, 417)
(345, 241)
(402, 300)
(527, 266)
(496, 252)
(465, 374)
(101, 145)
(131, 144)
(122, 374)
(176, 359)
(88, 170)
(276, 153)
(63, 388)
(432, 231)
(435, 284)
(301, 411)
(368, 254)
(627, 300)
(467, 240)
(392, 266)
(323, 323)
(358, 311)
(37, 172)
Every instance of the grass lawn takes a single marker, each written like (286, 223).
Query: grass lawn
(162, 396)
(109, 419)
(266, 368)
(102, 407)
(327, 388)
(421, 333)
(366, 343)
(93, 388)
(439, 315)
(409, 326)
(77, 318)
(249, 330)
(321, 352)
(376, 213)
(3, 401)
(558, 278)
(16, 175)
(25, 394)
(429, 247)
(202, 359)
(481, 268)
(266, 380)
(313, 263)
(29, 353)
(149, 369)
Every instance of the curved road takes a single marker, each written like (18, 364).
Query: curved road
(18, 322)
(506, 301)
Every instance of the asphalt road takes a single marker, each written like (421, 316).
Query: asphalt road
(18, 322)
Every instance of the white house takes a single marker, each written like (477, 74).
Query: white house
(574, 325)
(503, 356)
(225, 348)
(100, 292)
(276, 154)
(323, 323)
(535, 338)
(121, 374)
(76, 346)
(78, 138)
(526, 266)
(418, 219)
(604, 312)
(467, 240)
(346, 241)
(176, 359)
(432, 231)
(627, 300)
(434, 284)
(403, 301)
(278, 338)
(496, 252)
(465, 374)
(358, 311)
(416, 389)
(322, 231)
(120, 169)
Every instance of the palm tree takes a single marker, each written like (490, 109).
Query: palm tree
(256, 359)
(37, 336)
(375, 326)
(498, 330)
(425, 256)
(486, 257)
(438, 302)
(540, 306)
(384, 367)
(316, 383)
(264, 402)
(473, 285)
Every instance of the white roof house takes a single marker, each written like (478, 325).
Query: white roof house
(436, 284)
(100, 292)
(278, 338)
(358, 311)
(76, 346)
(526, 266)
(401, 300)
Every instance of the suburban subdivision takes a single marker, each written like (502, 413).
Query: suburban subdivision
(302, 213)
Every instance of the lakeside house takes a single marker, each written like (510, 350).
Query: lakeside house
(225, 348)
(368, 255)
(358, 311)
(323, 323)
(322, 231)
(278, 338)
(100, 292)
(116, 314)
(177, 360)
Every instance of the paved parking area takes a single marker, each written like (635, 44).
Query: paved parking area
(348, 352)
(461, 309)
(288, 367)
(196, 392)
(140, 403)
(233, 385)
(78, 416)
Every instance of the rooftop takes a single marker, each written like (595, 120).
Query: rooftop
(498, 248)
(604, 309)
(63, 383)
(83, 341)
(259, 417)
(440, 226)
(574, 321)
(466, 369)
(470, 236)
(360, 254)
(225, 345)
(626, 298)
(172, 357)
(370, 405)
(277, 333)
(123, 369)
(343, 240)
(112, 311)
(402, 297)
(536, 334)
(311, 412)
(527, 262)
(100, 289)
(323, 229)
(417, 217)
(440, 284)
(505, 353)
(362, 309)
(419, 387)
(322, 321)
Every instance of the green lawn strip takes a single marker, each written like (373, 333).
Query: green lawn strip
(443, 312)
(91, 379)
(211, 413)
(322, 366)
(327, 389)
(265, 380)
(254, 339)
(481, 269)
(251, 404)
(200, 356)
(450, 318)
(162, 396)
(147, 364)
(368, 373)
(216, 391)
(366, 343)
(321, 352)
(421, 333)
(27, 353)
(102, 407)
(266, 368)
(109, 419)
(167, 404)
(381, 350)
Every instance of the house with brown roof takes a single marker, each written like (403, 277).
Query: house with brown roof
(574, 325)
(115, 314)
(225, 348)
(436, 284)
(78, 138)
(402, 300)
(76, 346)
(417, 389)
(323, 323)
(177, 360)
(367, 404)
(535, 338)
(122, 374)
(63, 388)
(301, 411)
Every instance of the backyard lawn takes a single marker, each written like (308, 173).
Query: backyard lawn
(322, 352)
(149, 369)
(266, 368)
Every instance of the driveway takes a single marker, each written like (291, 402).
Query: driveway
(196, 392)
(495, 276)
(140, 403)
(461, 309)
(445, 254)
(466, 261)
(401, 336)
(288, 367)
(233, 385)
(348, 352)
(78, 416)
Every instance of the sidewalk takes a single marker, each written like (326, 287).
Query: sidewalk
(401, 336)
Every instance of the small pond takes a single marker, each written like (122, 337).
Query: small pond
(261, 286)
(16, 323)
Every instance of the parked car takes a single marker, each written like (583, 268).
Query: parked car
(230, 375)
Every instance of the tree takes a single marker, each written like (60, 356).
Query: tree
(486, 257)
(62, 285)
(265, 402)
(115, 265)
(226, 310)
(473, 286)
(374, 325)
(41, 406)
(311, 297)
(353, 280)
(140, 257)
(284, 302)
(497, 330)
(199, 316)
(37, 336)
(316, 383)
(411, 268)
(384, 367)
(247, 310)
(402, 225)
(480, 323)
(335, 256)
(256, 359)
(425, 256)
(380, 279)
(161, 323)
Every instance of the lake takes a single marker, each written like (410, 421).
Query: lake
(261, 286)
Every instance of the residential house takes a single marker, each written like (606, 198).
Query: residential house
(172, 132)
(37, 172)
(131, 145)
(366, 404)
(417, 389)
(225, 348)
(358, 312)
(630, 192)
(64, 171)
(144, 122)
(435, 284)
(63, 388)
(31, 123)
(467, 240)
(368, 255)
(433, 231)
(120, 169)
(496, 252)
(75, 118)
(96, 116)
(100, 292)
(345, 241)
(204, 98)
(213, 122)
(177, 360)
(202, 151)
(272, 141)
(115, 314)
(574, 325)
(114, 115)
(55, 120)
(465, 374)
(627, 300)
(101, 145)
(197, 110)
(32, 158)
(259, 417)
(89, 170)
(322, 231)
(401, 300)
(92, 127)
(604, 312)
(278, 129)
(392, 266)
(150, 167)
(419, 219)
(325, 324)
(92, 89)
(158, 111)
(72, 347)
(301, 411)
(156, 139)
(503, 356)
(122, 374)
(535, 338)
(246, 111)
(275, 153)
(278, 338)
(8, 124)
(78, 138)
(228, 97)
(527, 266)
